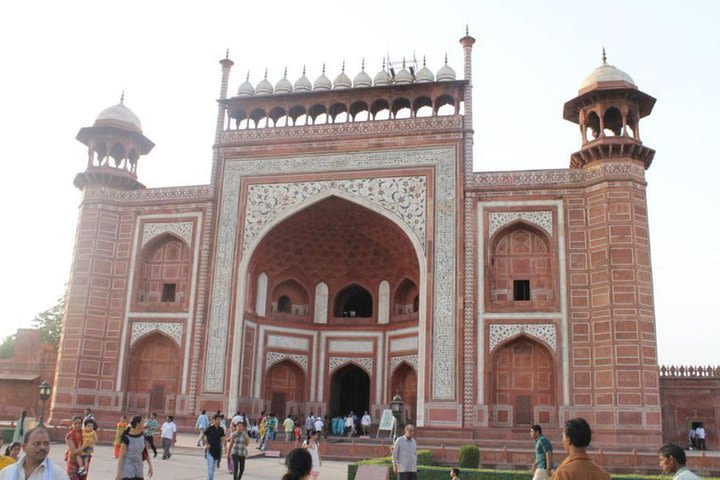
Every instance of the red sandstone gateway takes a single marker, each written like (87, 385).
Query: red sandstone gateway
(346, 251)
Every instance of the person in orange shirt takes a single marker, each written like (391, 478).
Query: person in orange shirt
(578, 465)
(120, 428)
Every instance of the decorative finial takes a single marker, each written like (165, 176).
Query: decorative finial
(383, 67)
(423, 60)
(323, 71)
(265, 73)
(247, 78)
(467, 30)
(303, 70)
(363, 64)
(403, 62)
(122, 98)
(445, 58)
(604, 57)
(227, 54)
(285, 74)
(343, 67)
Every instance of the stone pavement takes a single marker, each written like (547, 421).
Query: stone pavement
(188, 463)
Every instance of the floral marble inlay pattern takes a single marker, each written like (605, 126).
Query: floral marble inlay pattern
(403, 196)
(364, 362)
(183, 230)
(499, 332)
(409, 359)
(173, 329)
(271, 358)
(542, 219)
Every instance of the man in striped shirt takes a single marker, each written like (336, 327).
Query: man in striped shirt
(404, 457)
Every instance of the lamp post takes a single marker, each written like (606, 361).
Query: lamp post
(44, 389)
(396, 405)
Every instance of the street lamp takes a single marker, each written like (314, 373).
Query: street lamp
(44, 389)
(396, 405)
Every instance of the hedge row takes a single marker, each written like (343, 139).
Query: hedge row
(443, 473)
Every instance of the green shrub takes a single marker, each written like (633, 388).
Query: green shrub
(424, 457)
(469, 456)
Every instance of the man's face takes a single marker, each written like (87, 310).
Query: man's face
(533, 434)
(216, 421)
(410, 432)
(37, 446)
(668, 464)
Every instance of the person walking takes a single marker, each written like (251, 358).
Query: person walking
(212, 439)
(365, 423)
(404, 455)
(35, 464)
(672, 461)
(151, 425)
(119, 431)
(309, 424)
(133, 452)
(288, 426)
(578, 465)
(19, 432)
(542, 465)
(202, 423)
(313, 446)
(299, 465)
(700, 437)
(238, 442)
(168, 436)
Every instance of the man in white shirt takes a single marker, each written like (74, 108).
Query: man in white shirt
(319, 425)
(35, 465)
(404, 455)
(237, 418)
(365, 421)
(700, 437)
(672, 460)
(168, 435)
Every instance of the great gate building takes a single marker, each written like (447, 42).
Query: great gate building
(345, 251)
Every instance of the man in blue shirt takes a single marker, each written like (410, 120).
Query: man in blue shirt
(542, 466)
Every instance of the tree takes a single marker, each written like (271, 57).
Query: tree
(49, 323)
(7, 347)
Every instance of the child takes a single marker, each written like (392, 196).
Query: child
(454, 473)
(297, 433)
(90, 439)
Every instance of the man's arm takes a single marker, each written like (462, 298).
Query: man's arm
(548, 460)
(396, 455)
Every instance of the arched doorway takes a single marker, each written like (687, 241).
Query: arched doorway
(349, 390)
(285, 388)
(155, 369)
(404, 383)
(524, 379)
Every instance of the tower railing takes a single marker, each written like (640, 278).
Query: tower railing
(691, 371)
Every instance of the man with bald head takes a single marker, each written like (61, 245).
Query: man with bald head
(35, 465)
(404, 456)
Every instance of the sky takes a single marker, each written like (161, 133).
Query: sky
(64, 62)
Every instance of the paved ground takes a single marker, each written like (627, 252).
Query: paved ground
(187, 463)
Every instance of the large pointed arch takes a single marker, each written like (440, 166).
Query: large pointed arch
(242, 275)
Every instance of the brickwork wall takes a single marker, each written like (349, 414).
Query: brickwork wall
(685, 400)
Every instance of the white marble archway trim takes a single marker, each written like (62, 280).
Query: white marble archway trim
(183, 230)
(545, 332)
(174, 330)
(273, 358)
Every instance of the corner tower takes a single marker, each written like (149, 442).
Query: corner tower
(115, 143)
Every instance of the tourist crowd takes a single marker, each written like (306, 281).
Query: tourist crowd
(135, 439)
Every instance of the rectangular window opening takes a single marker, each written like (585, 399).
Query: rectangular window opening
(168, 294)
(521, 290)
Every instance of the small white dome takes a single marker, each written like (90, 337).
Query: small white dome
(283, 85)
(246, 89)
(322, 82)
(362, 79)
(424, 75)
(120, 113)
(403, 77)
(264, 87)
(342, 81)
(606, 73)
(446, 73)
(382, 78)
(303, 84)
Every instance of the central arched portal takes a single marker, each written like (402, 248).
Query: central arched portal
(349, 391)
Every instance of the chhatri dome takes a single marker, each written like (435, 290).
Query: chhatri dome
(362, 79)
(119, 116)
(303, 83)
(604, 74)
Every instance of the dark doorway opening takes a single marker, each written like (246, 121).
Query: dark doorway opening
(354, 301)
(349, 391)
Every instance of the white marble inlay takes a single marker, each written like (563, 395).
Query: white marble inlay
(499, 332)
(172, 329)
(403, 344)
(282, 341)
(321, 303)
(351, 346)
(409, 359)
(183, 230)
(271, 358)
(543, 219)
(364, 362)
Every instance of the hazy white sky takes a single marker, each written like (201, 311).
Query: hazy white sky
(63, 62)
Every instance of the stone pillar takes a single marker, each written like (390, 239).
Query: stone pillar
(384, 302)
(321, 303)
